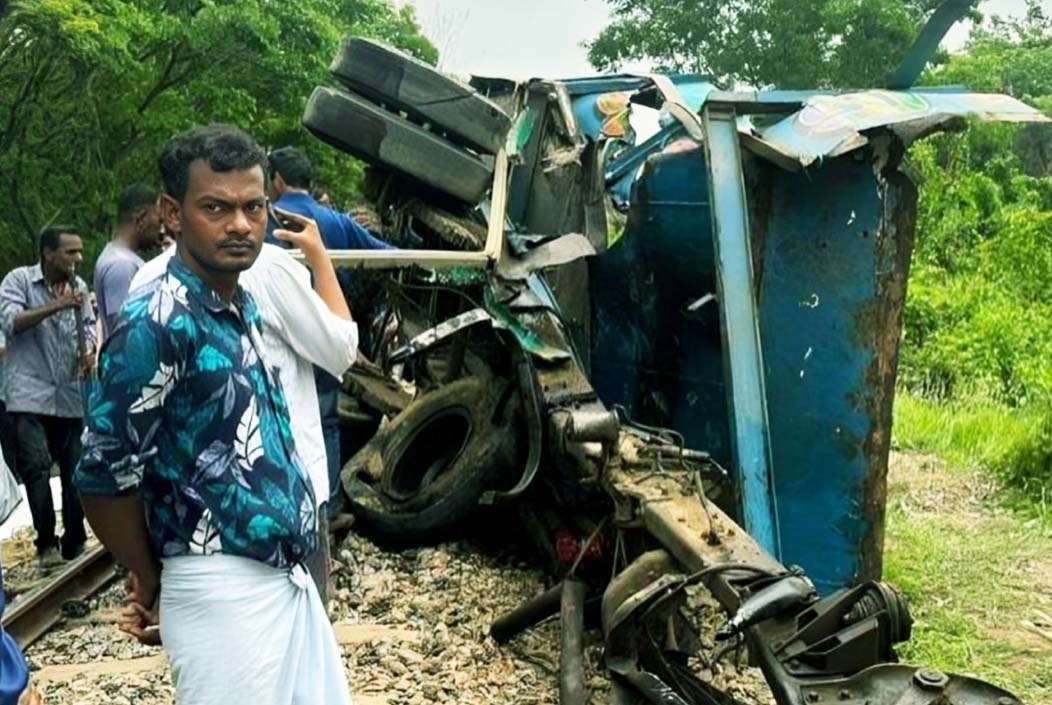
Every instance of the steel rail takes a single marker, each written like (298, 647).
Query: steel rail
(30, 618)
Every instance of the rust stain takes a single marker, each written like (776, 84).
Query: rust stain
(882, 325)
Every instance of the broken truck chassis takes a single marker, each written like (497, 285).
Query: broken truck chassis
(834, 650)
(838, 649)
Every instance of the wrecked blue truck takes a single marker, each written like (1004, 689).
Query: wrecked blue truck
(648, 329)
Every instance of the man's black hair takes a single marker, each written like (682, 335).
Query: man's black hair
(223, 147)
(293, 166)
(51, 236)
(133, 199)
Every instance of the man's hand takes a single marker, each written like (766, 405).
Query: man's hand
(301, 232)
(141, 623)
(304, 234)
(67, 298)
(31, 695)
(139, 617)
(367, 218)
(87, 366)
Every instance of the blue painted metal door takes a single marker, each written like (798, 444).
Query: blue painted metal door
(832, 248)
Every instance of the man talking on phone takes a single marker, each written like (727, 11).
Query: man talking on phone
(289, 185)
(46, 313)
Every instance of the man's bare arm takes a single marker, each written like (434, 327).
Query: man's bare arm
(120, 524)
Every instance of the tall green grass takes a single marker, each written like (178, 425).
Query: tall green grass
(1014, 443)
(975, 372)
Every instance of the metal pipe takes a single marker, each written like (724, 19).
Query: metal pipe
(572, 689)
(510, 625)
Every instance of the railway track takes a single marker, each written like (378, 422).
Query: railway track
(412, 627)
(32, 616)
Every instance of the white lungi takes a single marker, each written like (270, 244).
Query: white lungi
(240, 632)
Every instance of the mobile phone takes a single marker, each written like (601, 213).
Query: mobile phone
(280, 222)
(272, 215)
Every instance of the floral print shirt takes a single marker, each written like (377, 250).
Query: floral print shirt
(187, 414)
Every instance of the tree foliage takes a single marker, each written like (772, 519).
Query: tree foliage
(787, 43)
(979, 311)
(91, 89)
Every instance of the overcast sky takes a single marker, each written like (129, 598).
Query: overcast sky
(543, 37)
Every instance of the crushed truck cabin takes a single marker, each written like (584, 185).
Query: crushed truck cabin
(662, 360)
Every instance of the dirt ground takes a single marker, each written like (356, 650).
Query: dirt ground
(978, 575)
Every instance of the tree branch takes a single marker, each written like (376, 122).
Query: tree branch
(162, 83)
(7, 136)
(16, 201)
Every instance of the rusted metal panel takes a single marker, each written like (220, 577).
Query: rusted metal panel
(895, 243)
(835, 263)
(830, 275)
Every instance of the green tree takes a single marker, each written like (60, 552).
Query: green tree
(91, 89)
(979, 313)
(791, 44)
(1012, 57)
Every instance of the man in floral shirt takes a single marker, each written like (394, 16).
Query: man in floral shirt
(189, 435)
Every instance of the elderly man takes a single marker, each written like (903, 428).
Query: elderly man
(190, 475)
(50, 326)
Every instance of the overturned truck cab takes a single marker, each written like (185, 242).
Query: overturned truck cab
(656, 325)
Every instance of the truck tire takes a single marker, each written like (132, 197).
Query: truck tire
(423, 473)
(356, 126)
(461, 233)
(385, 75)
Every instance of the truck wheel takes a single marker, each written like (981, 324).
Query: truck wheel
(356, 126)
(422, 475)
(385, 75)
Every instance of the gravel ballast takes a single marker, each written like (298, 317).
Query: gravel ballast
(413, 627)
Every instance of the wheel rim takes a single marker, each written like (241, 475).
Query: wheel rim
(430, 451)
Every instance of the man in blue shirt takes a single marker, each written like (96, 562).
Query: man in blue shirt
(290, 189)
(190, 474)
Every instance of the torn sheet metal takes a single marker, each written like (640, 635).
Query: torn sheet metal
(431, 337)
(529, 340)
(831, 125)
(561, 250)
